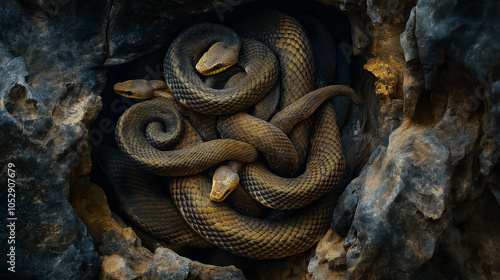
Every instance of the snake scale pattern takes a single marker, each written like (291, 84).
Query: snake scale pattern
(274, 50)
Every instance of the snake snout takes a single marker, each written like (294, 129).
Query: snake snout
(225, 180)
(140, 89)
(218, 58)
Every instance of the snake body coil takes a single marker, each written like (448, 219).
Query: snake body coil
(256, 59)
(287, 39)
(130, 138)
(137, 197)
(215, 222)
(243, 235)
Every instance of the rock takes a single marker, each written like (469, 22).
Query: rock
(50, 240)
(398, 218)
(183, 268)
(177, 268)
(408, 40)
(329, 262)
(468, 248)
(115, 267)
(47, 100)
(436, 29)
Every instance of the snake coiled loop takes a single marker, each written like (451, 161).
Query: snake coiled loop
(258, 61)
(132, 141)
(216, 222)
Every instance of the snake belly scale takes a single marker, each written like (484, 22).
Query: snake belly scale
(189, 185)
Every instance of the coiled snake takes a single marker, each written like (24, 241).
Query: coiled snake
(275, 180)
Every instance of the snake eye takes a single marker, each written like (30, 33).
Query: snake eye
(214, 69)
(219, 67)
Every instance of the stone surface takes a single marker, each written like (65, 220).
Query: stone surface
(115, 267)
(50, 240)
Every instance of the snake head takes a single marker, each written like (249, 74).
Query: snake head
(224, 182)
(218, 58)
(141, 89)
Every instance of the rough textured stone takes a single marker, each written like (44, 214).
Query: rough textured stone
(437, 28)
(50, 241)
(115, 267)
(467, 37)
(329, 261)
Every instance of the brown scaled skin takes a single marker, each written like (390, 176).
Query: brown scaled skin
(132, 141)
(148, 89)
(242, 235)
(241, 127)
(218, 58)
(141, 89)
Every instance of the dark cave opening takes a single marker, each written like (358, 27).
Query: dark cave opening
(348, 71)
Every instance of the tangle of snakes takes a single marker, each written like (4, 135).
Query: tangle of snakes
(277, 132)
